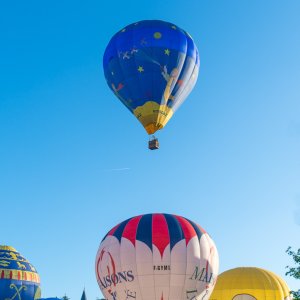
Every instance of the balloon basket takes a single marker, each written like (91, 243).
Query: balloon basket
(153, 143)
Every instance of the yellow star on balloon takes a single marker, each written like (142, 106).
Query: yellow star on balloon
(167, 51)
(140, 69)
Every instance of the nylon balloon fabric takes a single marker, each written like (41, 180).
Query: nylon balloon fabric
(151, 66)
(250, 283)
(18, 277)
(157, 256)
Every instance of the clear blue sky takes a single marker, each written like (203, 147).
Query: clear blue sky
(229, 158)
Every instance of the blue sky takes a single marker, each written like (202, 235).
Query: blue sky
(74, 162)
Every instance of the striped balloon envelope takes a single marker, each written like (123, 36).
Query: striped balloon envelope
(157, 256)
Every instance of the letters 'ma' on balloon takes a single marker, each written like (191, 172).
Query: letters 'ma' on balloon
(151, 66)
(157, 256)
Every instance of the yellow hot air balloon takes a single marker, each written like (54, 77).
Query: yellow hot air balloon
(250, 283)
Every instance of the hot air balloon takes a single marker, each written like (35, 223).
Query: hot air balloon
(250, 283)
(157, 256)
(19, 279)
(151, 66)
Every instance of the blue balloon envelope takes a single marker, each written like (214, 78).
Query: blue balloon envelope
(19, 279)
(151, 66)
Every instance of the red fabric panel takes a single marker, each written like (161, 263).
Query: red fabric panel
(131, 229)
(187, 228)
(160, 232)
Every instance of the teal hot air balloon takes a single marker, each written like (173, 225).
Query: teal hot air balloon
(19, 279)
(151, 66)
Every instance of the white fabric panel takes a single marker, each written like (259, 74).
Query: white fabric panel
(202, 281)
(128, 262)
(214, 261)
(99, 271)
(145, 275)
(193, 267)
(178, 270)
(115, 289)
(111, 246)
(211, 261)
(161, 276)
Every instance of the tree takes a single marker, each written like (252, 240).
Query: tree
(65, 297)
(294, 271)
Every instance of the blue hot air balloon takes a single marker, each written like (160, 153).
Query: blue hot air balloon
(19, 279)
(151, 66)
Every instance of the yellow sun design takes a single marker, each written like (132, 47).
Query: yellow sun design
(157, 35)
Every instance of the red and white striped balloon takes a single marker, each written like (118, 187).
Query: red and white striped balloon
(157, 257)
